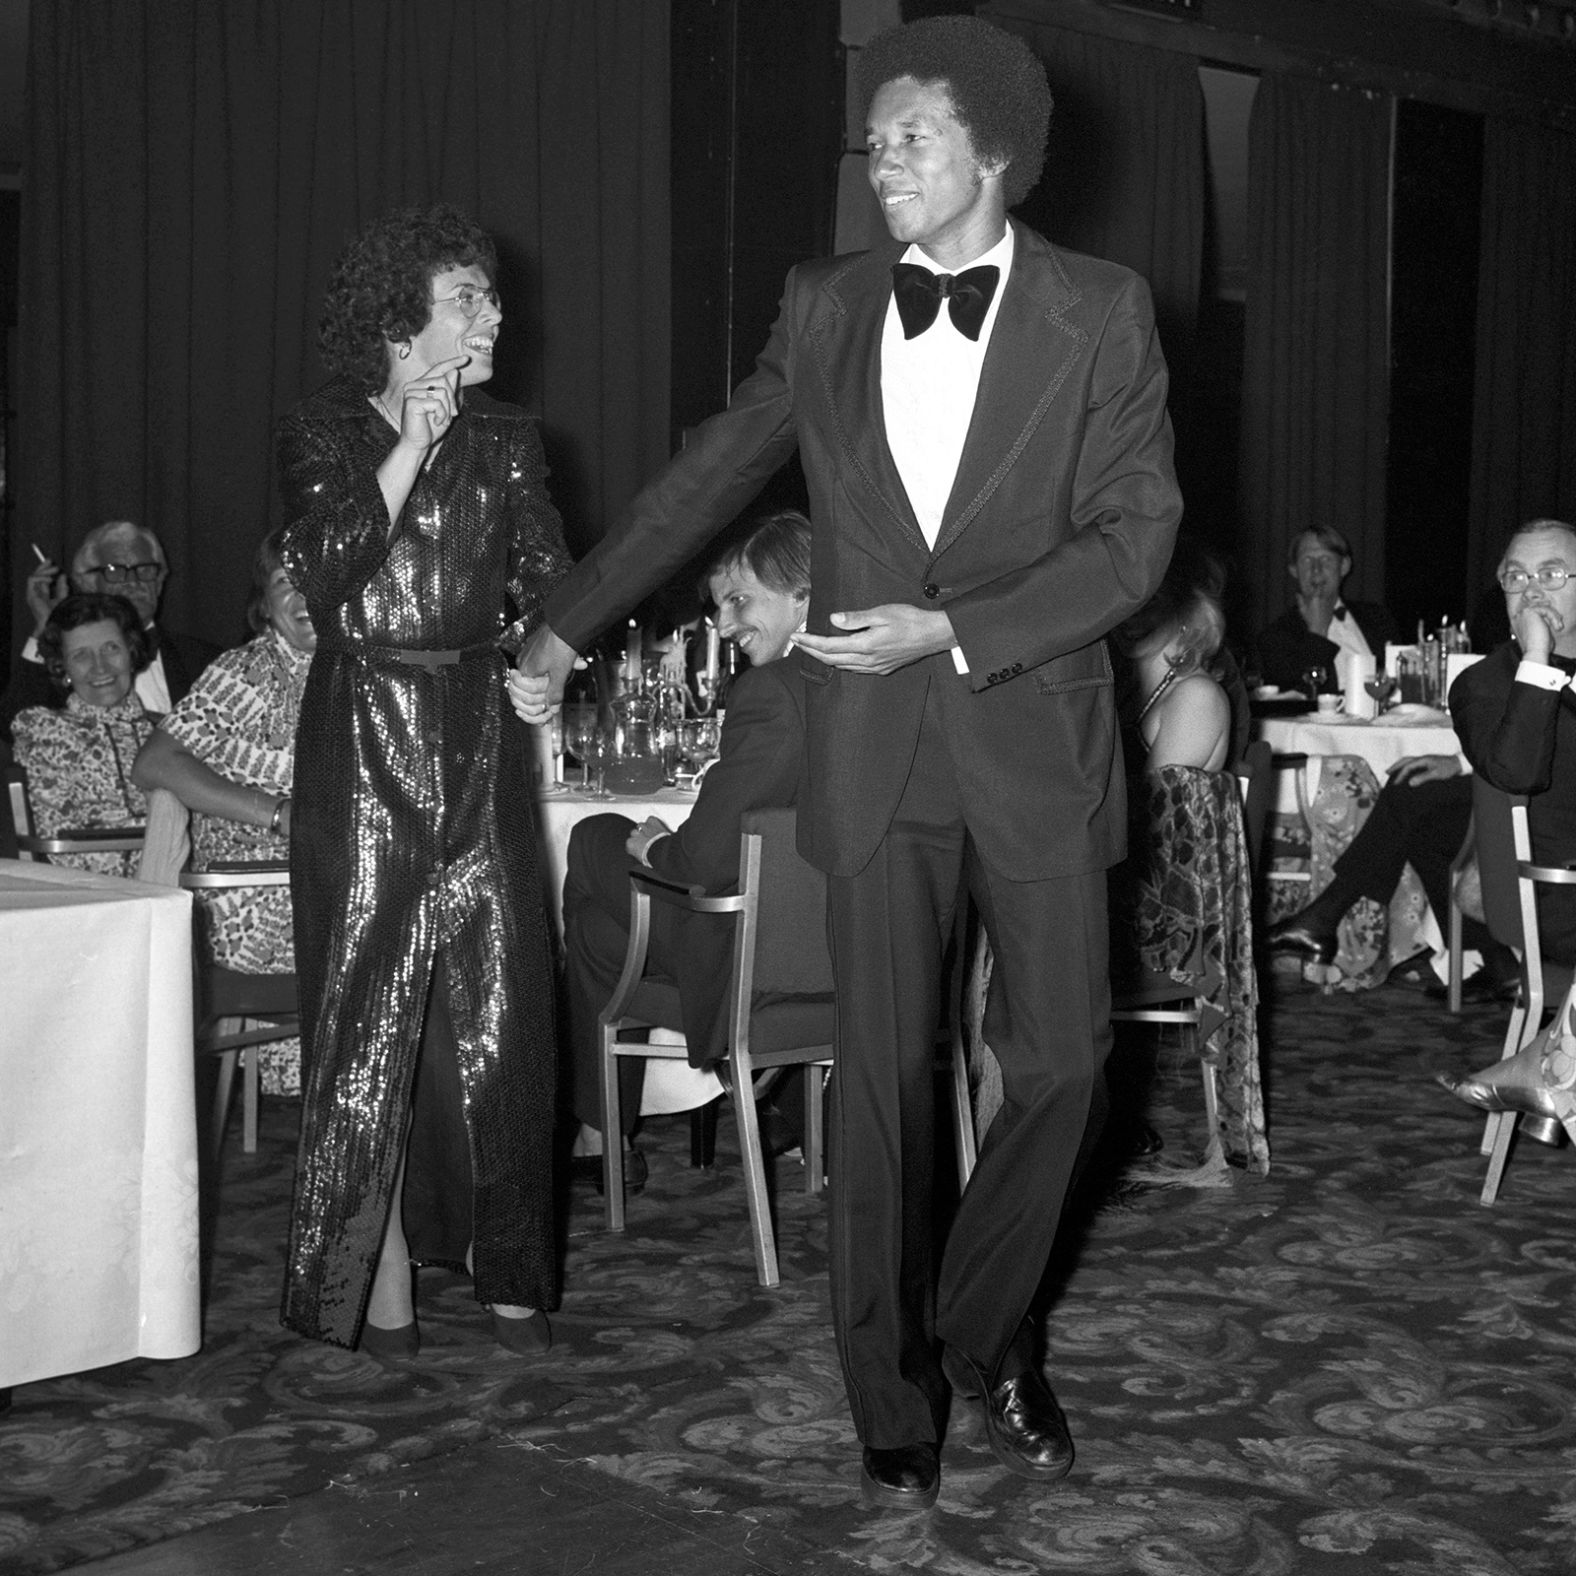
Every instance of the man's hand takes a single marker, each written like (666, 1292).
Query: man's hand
(644, 835)
(884, 638)
(536, 687)
(1318, 610)
(1535, 629)
(1414, 769)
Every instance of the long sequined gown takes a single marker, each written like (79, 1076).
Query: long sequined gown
(413, 841)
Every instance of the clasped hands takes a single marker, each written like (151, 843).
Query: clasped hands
(879, 640)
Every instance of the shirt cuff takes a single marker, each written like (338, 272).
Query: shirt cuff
(1541, 675)
(30, 651)
(959, 661)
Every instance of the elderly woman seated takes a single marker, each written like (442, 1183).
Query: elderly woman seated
(79, 761)
(227, 752)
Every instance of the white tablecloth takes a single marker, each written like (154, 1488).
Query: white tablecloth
(1381, 744)
(98, 1136)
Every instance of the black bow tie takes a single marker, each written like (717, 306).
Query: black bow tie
(920, 293)
(1340, 612)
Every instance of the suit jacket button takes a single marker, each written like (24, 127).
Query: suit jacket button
(931, 590)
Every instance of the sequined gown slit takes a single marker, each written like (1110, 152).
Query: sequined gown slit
(413, 845)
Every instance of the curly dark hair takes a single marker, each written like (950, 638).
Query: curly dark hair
(381, 287)
(997, 87)
(91, 607)
(264, 562)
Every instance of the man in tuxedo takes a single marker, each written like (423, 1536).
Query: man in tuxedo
(981, 420)
(122, 559)
(1321, 629)
(761, 586)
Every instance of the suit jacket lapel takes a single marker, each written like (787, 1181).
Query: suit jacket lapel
(1032, 349)
(845, 340)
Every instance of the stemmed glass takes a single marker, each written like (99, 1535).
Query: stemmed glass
(708, 734)
(580, 731)
(1381, 686)
(1312, 678)
(599, 749)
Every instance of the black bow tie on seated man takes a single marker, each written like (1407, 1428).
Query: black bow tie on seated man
(920, 294)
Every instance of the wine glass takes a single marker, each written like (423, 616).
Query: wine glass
(580, 729)
(707, 746)
(1381, 686)
(600, 748)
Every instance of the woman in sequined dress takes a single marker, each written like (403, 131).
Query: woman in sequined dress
(227, 752)
(78, 760)
(418, 527)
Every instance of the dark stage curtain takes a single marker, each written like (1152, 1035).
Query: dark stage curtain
(1316, 386)
(1524, 407)
(194, 166)
(1125, 170)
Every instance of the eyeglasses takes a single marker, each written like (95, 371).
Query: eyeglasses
(118, 574)
(469, 299)
(1551, 577)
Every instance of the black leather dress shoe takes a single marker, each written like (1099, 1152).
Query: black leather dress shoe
(1023, 1423)
(588, 1168)
(907, 1478)
(1294, 935)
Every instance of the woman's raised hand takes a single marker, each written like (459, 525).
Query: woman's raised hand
(431, 402)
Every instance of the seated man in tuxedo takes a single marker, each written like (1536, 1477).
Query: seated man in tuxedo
(1515, 714)
(123, 559)
(1321, 629)
(762, 589)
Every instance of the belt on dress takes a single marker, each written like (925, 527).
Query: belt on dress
(364, 651)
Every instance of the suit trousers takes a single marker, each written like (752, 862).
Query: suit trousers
(596, 936)
(1047, 1021)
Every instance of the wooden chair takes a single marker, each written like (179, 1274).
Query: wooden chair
(18, 831)
(1510, 881)
(233, 1011)
(780, 1008)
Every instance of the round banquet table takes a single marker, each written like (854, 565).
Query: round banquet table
(98, 1130)
(1348, 763)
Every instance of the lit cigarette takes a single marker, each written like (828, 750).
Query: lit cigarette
(38, 552)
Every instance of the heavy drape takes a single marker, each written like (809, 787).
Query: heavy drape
(193, 168)
(1524, 402)
(1316, 384)
(1125, 171)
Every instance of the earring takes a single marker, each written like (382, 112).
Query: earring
(404, 350)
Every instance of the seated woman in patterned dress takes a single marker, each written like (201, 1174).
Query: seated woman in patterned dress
(78, 761)
(227, 752)
(1179, 903)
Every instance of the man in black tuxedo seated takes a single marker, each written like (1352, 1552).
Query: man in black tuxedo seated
(122, 559)
(1321, 628)
(761, 587)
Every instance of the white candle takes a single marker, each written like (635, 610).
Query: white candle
(713, 651)
(632, 655)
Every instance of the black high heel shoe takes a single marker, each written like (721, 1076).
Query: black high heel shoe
(524, 1337)
(1294, 934)
(403, 1341)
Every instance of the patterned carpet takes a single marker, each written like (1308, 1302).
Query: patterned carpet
(1349, 1366)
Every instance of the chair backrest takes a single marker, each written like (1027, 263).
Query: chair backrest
(13, 805)
(1496, 857)
(791, 953)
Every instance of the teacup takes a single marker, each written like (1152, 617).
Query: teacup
(1330, 704)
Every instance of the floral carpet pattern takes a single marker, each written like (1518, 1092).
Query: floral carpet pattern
(1346, 1366)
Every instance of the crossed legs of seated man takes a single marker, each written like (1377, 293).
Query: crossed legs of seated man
(1421, 823)
(1047, 1020)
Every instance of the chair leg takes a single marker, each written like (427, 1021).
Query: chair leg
(743, 1093)
(1211, 1099)
(251, 1065)
(814, 1127)
(703, 1134)
(224, 1086)
(1499, 1154)
(612, 1135)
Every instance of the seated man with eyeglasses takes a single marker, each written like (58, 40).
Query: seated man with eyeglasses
(121, 559)
(1516, 719)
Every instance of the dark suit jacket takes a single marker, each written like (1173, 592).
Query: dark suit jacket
(184, 658)
(1288, 648)
(1522, 739)
(1059, 525)
(758, 768)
